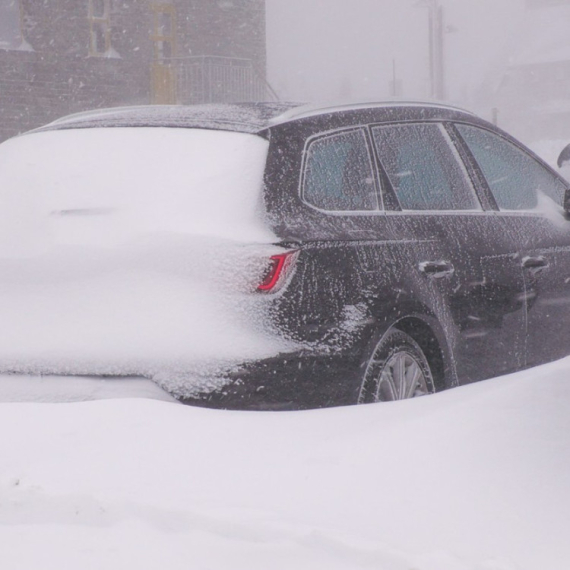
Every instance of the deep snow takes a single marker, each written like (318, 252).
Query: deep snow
(134, 251)
(475, 478)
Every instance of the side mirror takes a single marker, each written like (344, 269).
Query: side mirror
(564, 156)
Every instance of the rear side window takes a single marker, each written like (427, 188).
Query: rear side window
(339, 175)
(424, 170)
(515, 178)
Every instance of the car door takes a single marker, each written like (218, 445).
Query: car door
(338, 217)
(528, 199)
(473, 272)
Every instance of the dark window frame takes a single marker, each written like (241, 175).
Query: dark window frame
(380, 210)
(99, 27)
(390, 197)
(164, 40)
(472, 164)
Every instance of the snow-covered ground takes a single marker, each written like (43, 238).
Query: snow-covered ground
(475, 478)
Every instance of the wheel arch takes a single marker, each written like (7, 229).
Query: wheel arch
(432, 341)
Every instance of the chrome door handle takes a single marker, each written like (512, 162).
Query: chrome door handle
(535, 263)
(437, 269)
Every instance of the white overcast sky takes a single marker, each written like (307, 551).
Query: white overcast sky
(328, 49)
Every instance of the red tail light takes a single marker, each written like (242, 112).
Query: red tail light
(280, 269)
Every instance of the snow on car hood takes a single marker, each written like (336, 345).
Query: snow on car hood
(132, 251)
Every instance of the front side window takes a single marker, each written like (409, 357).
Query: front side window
(100, 29)
(10, 24)
(339, 175)
(423, 169)
(515, 179)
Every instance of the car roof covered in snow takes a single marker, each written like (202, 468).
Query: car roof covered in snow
(240, 117)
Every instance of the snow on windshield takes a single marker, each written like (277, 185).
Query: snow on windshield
(132, 251)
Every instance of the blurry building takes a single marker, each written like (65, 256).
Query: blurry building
(63, 56)
(533, 97)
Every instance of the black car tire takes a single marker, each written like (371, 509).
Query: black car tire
(396, 369)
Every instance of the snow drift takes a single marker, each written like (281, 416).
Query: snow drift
(474, 478)
(132, 251)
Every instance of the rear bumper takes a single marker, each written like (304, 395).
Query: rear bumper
(295, 382)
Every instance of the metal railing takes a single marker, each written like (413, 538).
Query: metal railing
(215, 79)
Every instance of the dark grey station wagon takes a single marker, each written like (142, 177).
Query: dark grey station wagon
(419, 248)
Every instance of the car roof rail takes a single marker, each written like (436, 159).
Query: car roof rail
(311, 110)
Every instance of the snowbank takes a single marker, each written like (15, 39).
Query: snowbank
(144, 309)
(60, 389)
(475, 478)
(133, 251)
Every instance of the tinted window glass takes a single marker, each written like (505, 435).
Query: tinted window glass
(423, 169)
(339, 174)
(515, 178)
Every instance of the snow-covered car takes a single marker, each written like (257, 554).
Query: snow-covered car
(271, 256)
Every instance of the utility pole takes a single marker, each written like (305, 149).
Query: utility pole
(395, 84)
(437, 49)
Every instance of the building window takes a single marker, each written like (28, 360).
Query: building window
(164, 31)
(100, 29)
(10, 24)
